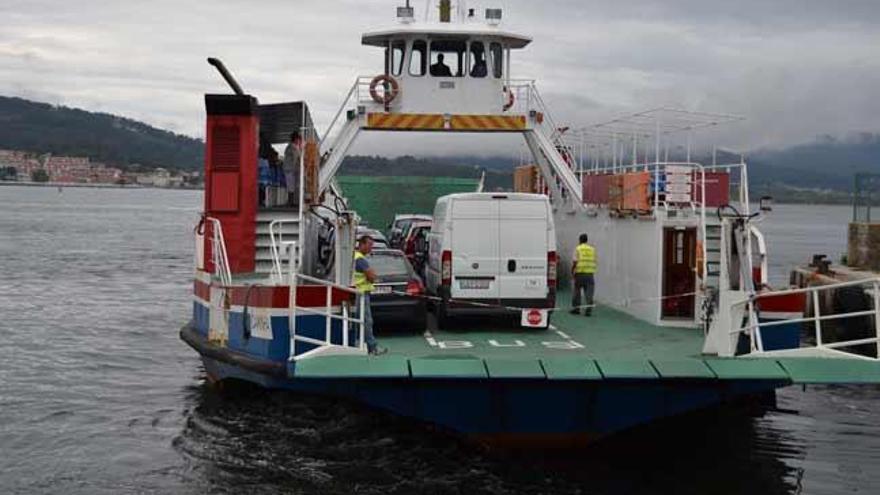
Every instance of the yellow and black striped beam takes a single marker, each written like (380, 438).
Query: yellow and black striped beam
(440, 122)
(487, 123)
(405, 121)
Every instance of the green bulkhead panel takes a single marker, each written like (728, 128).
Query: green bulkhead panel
(377, 199)
(352, 367)
(514, 368)
(831, 370)
(627, 369)
(682, 368)
(747, 369)
(448, 368)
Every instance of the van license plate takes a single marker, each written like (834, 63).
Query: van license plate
(473, 283)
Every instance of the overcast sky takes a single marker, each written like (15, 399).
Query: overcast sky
(794, 68)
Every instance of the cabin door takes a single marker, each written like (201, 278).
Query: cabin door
(679, 278)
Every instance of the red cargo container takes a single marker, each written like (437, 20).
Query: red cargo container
(636, 191)
(717, 189)
(595, 189)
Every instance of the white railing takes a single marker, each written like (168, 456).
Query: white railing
(277, 240)
(218, 252)
(527, 98)
(822, 346)
(325, 346)
(358, 94)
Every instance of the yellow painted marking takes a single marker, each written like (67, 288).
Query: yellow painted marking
(428, 121)
(488, 122)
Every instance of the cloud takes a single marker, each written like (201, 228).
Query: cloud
(796, 68)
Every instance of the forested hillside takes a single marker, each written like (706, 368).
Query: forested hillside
(819, 171)
(43, 128)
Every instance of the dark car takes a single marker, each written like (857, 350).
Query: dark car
(379, 240)
(396, 299)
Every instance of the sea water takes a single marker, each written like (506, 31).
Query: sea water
(99, 395)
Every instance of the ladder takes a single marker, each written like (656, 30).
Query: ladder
(712, 246)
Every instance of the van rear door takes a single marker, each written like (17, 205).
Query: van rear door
(474, 246)
(522, 248)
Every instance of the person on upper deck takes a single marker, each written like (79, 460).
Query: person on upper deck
(583, 269)
(292, 159)
(479, 69)
(440, 69)
(363, 278)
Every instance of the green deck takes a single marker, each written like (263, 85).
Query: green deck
(610, 345)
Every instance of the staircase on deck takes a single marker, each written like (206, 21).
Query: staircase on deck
(286, 229)
(712, 247)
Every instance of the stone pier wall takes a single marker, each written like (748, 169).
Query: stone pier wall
(864, 246)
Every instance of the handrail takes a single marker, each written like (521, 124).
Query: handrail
(276, 255)
(753, 327)
(218, 251)
(354, 94)
(325, 345)
(339, 112)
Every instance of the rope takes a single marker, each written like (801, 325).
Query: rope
(465, 302)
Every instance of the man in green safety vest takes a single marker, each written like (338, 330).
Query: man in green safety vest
(583, 269)
(364, 276)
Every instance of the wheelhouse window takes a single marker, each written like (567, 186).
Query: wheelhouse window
(418, 58)
(497, 60)
(447, 58)
(398, 50)
(478, 66)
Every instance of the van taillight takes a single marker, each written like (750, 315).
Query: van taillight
(446, 268)
(551, 268)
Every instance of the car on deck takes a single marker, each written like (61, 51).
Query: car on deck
(398, 294)
(415, 244)
(398, 227)
(379, 239)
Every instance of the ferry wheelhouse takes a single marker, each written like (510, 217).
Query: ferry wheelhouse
(685, 318)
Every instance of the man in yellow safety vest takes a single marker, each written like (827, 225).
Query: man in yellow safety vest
(364, 276)
(583, 269)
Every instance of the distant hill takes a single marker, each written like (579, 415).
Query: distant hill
(806, 172)
(43, 128)
(827, 163)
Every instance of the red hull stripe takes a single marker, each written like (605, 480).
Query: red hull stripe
(202, 290)
(789, 303)
(278, 297)
(275, 297)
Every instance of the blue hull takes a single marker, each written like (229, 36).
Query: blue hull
(518, 412)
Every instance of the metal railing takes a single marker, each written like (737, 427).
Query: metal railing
(818, 322)
(358, 94)
(277, 240)
(324, 346)
(527, 98)
(218, 252)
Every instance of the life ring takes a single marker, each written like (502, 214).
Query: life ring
(389, 95)
(510, 99)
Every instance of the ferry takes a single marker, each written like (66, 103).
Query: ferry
(684, 318)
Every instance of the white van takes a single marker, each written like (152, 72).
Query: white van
(493, 248)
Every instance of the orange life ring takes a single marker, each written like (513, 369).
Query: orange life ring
(510, 99)
(388, 96)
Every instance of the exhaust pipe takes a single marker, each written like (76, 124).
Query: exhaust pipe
(227, 76)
